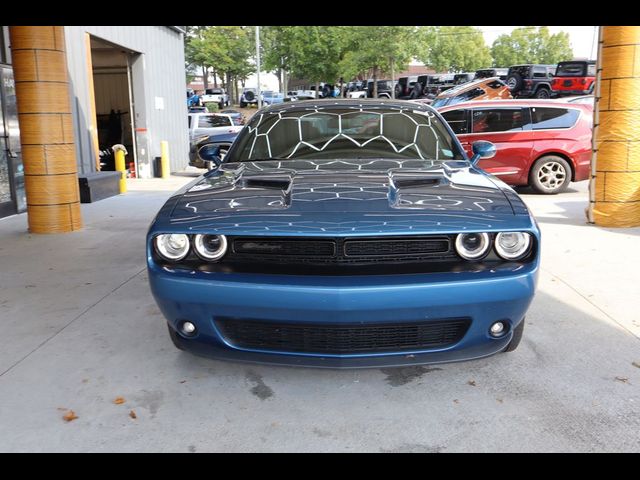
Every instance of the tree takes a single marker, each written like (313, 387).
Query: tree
(276, 51)
(195, 52)
(228, 50)
(378, 49)
(455, 49)
(531, 45)
(315, 52)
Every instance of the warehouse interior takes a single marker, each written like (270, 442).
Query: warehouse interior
(112, 84)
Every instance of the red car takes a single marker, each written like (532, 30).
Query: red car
(574, 78)
(542, 143)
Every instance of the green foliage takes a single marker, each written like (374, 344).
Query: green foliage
(276, 47)
(454, 49)
(315, 52)
(377, 48)
(531, 45)
(212, 107)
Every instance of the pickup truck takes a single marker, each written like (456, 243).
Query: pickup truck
(215, 95)
(205, 124)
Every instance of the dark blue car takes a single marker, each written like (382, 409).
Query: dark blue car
(355, 233)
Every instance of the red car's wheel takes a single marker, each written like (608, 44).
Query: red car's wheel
(550, 174)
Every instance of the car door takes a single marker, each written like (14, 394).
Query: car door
(509, 129)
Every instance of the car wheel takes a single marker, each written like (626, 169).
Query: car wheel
(514, 82)
(543, 93)
(243, 104)
(174, 338)
(220, 105)
(515, 340)
(550, 174)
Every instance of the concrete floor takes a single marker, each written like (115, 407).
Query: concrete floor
(80, 328)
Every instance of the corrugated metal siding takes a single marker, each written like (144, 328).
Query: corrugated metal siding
(164, 77)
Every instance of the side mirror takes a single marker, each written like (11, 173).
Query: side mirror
(211, 154)
(482, 149)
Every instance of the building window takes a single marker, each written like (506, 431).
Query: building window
(5, 52)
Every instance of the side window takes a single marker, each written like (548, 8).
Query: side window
(457, 120)
(497, 120)
(545, 118)
(591, 70)
(539, 72)
(207, 121)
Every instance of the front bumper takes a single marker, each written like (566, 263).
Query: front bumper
(485, 297)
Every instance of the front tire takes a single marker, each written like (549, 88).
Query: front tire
(517, 337)
(550, 174)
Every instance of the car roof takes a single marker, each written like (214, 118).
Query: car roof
(510, 103)
(455, 91)
(213, 114)
(339, 103)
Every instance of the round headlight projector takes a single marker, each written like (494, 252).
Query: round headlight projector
(473, 246)
(173, 247)
(512, 245)
(210, 247)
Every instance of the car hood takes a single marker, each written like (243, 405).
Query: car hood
(300, 196)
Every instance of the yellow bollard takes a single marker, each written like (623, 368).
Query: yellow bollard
(164, 159)
(120, 152)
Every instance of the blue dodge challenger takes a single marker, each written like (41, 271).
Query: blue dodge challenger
(349, 233)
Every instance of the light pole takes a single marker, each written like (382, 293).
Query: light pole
(258, 64)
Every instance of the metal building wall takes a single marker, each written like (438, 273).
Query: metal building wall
(164, 76)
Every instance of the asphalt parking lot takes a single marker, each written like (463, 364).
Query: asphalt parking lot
(80, 329)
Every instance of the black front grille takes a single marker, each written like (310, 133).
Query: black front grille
(366, 248)
(341, 339)
(340, 251)
(258, 247)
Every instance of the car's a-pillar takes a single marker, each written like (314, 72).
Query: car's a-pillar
(615, 184)
(46, 128)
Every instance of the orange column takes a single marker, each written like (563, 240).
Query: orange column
(615, 189)
(46, 129)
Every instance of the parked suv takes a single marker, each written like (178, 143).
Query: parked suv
(405, 87)
(501, 73)
(461, 78)
(576, 77)
(545, 145)
(215, 95)
(385, 88)
(531, 81)
(249, 96)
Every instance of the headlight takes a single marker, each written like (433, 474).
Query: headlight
(210, 247)
(173, 247)
(512, 245)
(473, 246)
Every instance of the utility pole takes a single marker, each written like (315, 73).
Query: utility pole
(393, 87)
(258, 64)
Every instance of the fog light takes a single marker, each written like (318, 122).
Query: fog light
(188, 328)
(497, 329)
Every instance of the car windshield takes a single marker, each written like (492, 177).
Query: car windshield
(570, 70)
(346, 132)
(213, 91)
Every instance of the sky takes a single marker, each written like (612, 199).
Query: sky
(582, 38)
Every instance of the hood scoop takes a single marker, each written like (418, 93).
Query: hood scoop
(400, 183)
(267, 183)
